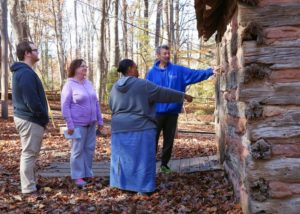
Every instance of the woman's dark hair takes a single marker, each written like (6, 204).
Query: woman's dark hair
(22, 47)
(76, 63)
(124, 65)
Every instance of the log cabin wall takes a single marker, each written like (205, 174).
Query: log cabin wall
(258, 105)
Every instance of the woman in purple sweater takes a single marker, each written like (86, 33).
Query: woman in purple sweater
(81, 111)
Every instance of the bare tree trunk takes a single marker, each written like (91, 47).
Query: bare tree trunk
(171, 22)
(77, 50)
(131, 39)
(89, 57)
(146, 43)
(71, 43)
(176, 39)
(102, 61)
(167, 21)
(19, 20)
(116, 48)
(90, 48)
(188, 53)
(109, 42)
(158, 21)
(138, 43)
(4, 60)
(146, 16)
(46, 54)
(125, 31)
(0, 49)
(58, 28)
(91, 60)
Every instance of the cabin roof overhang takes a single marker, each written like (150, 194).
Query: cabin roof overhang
(214, 15)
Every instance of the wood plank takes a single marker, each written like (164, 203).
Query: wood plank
(184, 165)
(97, 164)
(195, 164)
(61, 169)
(175, 165)
(267, 132)
(285, 54)
(68, 170)
(276, 117)
(281, 169)
(66, 174)
(274, 206)
(204, 163)
(274, 35)
(214, 162)
(271, 93)
(273, 15)
(263, 3)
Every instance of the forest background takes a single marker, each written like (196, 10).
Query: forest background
(103, 33)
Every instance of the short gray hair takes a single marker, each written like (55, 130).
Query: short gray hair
(166, 47)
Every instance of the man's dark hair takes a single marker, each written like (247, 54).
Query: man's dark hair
(22, 47)
(124, 65)
(166, 47)
(76, 63)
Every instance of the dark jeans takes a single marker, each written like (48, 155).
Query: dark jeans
(167, 124)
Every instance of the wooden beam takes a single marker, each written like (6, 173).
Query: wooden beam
(281, 169)
(285, 14)
(282, 55)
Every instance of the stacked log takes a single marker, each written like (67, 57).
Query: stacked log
(258, 115)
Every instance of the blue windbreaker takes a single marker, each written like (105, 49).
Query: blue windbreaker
(176, 77)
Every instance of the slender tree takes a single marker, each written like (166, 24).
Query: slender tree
(167, 21)
(171, 22)
(102, 60)
(19, 20)
(4, 60)
(176, 34)
(125, 30)
(146, 16)
(57, 11)
(77, 50)
(116, 52)
(158, 22)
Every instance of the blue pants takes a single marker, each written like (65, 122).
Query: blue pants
(82, 152)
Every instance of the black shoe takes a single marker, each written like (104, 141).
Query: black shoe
(38, 187)
(33, 196)
(147, 193)
(144, 193)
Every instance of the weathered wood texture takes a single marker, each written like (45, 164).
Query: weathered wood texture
(285, 54)
(197, 164)
(258, 106)
(271, 93)
(275, 15)
(281, 169)
(263, 3)
(279, 206)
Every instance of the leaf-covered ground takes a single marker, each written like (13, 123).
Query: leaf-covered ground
(205, 192)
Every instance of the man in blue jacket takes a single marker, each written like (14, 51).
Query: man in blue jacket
(30, 112)
(177, 77)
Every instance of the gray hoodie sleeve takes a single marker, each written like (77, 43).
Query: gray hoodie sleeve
(163, 95)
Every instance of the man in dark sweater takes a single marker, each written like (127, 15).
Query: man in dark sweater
(30, 111)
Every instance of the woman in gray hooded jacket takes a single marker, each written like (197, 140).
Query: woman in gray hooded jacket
(133, 145)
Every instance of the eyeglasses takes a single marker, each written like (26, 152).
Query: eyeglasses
(34, 50)
(83, 66)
